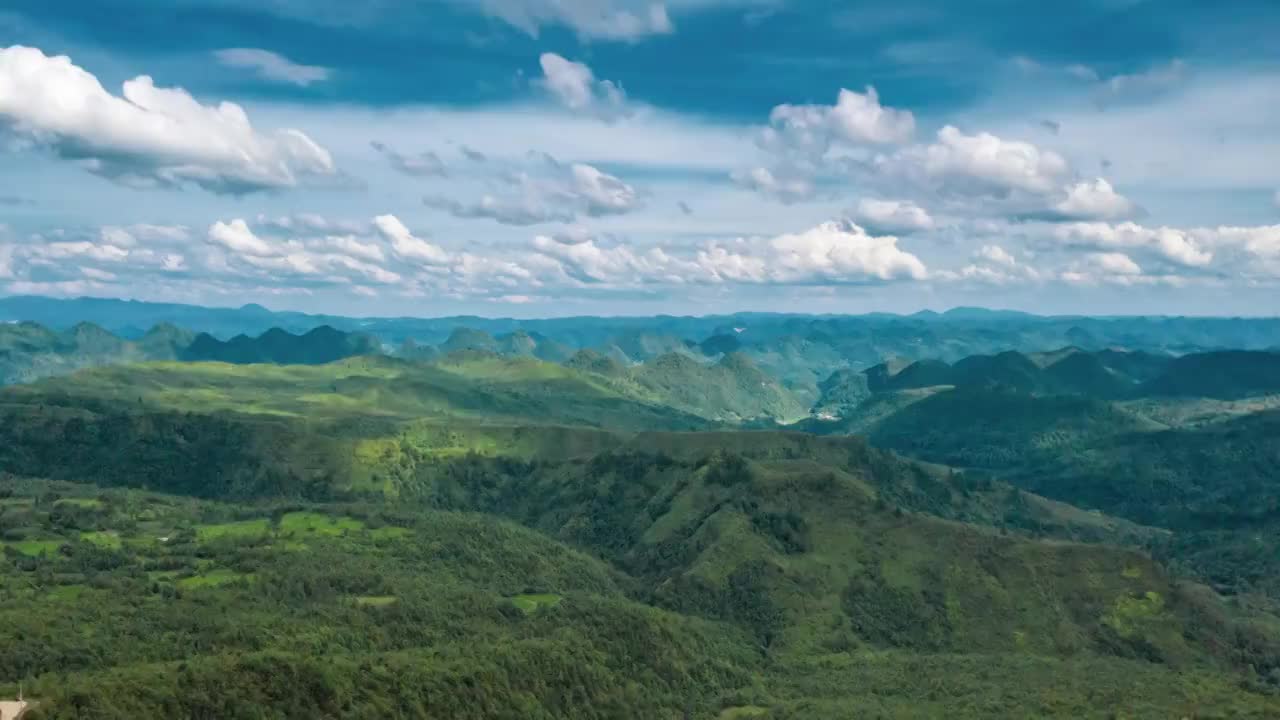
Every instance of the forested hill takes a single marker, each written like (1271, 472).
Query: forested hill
(29, 351)
(315, 347)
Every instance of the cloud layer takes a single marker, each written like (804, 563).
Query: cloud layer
(148, 135)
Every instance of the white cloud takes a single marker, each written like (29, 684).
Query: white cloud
(405, 245)
(1114, 269)
(833, 252)
(627, 20)
(1171, 244)
(238, 238)
(1095, 200)
(986, 164)
(993, 265)
(601, 193)
(586, 261)
(350, 245)
(272, 66)
(63, 250)
(1260, 241)
(548, 192)
(998, 255)
(1114, 263)
(149, 136)
(765, 182)
(574, 86)
(891, 216)
(856, 118)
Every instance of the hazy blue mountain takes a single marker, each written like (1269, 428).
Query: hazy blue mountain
(859, 340)
(315, 347)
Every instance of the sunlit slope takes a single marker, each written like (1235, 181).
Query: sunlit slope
(467, 386)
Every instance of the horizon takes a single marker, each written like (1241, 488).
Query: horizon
(534, 318)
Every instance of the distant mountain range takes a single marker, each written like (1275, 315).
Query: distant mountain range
(787, 339)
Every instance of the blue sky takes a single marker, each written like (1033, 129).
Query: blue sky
(531, 158)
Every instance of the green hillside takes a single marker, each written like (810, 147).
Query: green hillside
(733, 389)
(488, 534)
(999, 428)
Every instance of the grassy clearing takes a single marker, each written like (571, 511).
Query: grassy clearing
(243, 528)
(531, 603)
(35, 548)
(376, 600)
(87, 503)
(108, 540)
(318, 523)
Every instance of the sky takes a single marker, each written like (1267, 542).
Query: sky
(533, 158)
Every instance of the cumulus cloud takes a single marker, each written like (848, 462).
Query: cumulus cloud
(148, 136)
(1114, 263)
(354, 247)
(1260, 241)
(626, 20)
(587, 261)
(575, 87)
(1171, 244)
(993, 265)
(891, 216)
(238, 238)
(423, 164)
(856, 118)
(548, 192)
(406, 245)
(106, 254)
(1113, 268)
(272, 66)
(327, 259)
(765, 182)
(1095, 200)
(986, 164)
(834, 252)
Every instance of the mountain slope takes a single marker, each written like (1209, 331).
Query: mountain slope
(1225, 375)
(732, 390)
